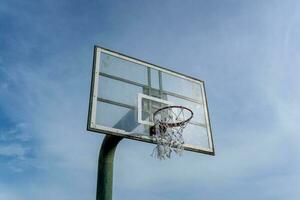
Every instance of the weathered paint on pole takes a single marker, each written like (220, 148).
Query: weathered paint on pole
(106, 167)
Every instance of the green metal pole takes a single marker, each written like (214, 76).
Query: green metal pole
(106, 166)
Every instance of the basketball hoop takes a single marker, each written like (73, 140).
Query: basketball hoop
(169, 123)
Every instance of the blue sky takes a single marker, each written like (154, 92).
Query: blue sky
(247, 52)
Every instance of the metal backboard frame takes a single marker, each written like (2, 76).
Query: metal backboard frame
(93, 126)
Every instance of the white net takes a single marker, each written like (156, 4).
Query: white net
(169, 124)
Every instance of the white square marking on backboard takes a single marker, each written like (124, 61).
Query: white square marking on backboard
(140, 107)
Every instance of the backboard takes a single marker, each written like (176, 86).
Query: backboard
(125, 92)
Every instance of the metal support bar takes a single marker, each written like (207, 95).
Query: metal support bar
(105, 167)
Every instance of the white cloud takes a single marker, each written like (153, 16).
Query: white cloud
(5, 195)
(16, 133)
(13, 150)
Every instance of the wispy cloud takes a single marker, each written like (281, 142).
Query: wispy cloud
(13, 150)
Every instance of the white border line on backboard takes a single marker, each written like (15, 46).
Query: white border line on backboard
(148, 65)
(96, 85)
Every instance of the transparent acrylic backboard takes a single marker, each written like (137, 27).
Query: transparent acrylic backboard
(125, 92)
